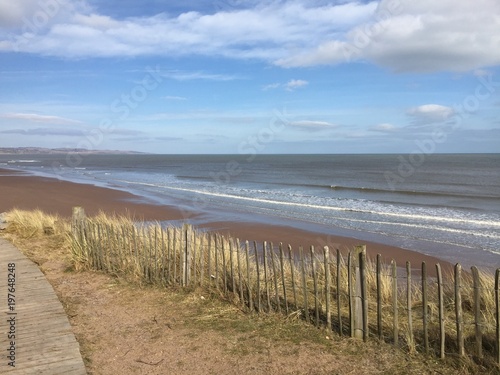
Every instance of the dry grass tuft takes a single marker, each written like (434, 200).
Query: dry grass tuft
(147, 253)
(29, 224)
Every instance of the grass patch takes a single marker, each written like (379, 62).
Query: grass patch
(215, 307)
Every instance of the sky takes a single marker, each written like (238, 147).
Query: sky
(245, 76)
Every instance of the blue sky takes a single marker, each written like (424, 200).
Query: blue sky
(239, 76)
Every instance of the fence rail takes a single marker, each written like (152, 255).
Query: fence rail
(348, 293)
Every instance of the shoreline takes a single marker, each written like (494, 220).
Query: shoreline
(53, 196)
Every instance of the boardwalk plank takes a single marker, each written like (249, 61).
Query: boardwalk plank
(44, 342)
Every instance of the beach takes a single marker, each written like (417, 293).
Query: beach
(27, 192)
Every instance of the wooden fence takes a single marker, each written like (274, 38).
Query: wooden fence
(449, 314)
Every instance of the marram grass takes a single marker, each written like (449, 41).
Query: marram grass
(260, 280)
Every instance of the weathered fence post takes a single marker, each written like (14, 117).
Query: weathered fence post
(150, 260)
(202, 258)
(350, 291)
(425, 326)
(224, 264)
(364, 291)
(103, 244)
(169, 254)
(77, 220)
(339, 301)
(231, 266)
(441, 311)
(137, 264)
(477, 311)
(109, 249)
(283, 279)
(174, 256)
(216, 259)
(326, 256)
(257, 267)
(163, 256)
(194, 258)
(458, 309)
(359, 312)
(272, 254)
(77, 224)
(304, 284)
(315, 285)
(395, 322)
(292, 271)
(249, 284)
(379, 298)
(186, 256)
(156, 253)
(240, 275)
(266, 277)
(209, 259)
(497, 313)
(411, 343)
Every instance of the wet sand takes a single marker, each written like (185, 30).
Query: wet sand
(18, 190)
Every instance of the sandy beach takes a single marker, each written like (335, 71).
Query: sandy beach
(19, 190)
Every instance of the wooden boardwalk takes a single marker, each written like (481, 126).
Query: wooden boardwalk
(35, 334)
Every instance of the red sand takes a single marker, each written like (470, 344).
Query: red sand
(18, 190)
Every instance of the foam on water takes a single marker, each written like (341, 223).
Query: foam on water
(453, 200)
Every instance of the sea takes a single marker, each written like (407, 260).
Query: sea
(444, 205)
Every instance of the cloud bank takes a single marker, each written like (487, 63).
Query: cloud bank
(430, 113)
(403, 35)
(34, 117)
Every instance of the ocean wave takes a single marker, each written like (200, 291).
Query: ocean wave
(402, 192)
(353, 208)
(23, 161)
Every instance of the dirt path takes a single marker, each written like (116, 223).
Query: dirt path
(125, 328)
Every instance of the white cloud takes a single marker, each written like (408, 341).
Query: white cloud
(444, 35)
(46, 132)
(289, 86)
(331, 52)
(295, 84)
(96, 21)
(11, 13)
(482, 73)
(33, 117)
(271, 86)
(312, 125)
(404, 35)
(36, 16)
(430, 113)
(169, 139)
(265, 32)
(385, 128)
(187, 76)
(419, 36)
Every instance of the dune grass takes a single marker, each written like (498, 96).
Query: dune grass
(258, 277)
